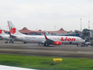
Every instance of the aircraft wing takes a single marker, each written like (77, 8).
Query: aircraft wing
(48, 41)
(11, 36)
(0, 36)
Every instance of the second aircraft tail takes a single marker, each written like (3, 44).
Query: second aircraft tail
(13, 30)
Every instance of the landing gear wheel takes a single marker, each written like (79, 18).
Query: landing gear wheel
(47, 45)
(12, 42)
(44, 44)
(25, 42)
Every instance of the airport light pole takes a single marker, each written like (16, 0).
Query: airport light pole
(54, 30)
(89, 24)
(80, 24)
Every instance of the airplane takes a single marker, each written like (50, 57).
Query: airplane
(45, 40)
(5, 36)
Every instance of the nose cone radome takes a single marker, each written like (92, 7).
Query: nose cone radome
(83, 41)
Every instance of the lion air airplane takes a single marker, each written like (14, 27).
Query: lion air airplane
(46, 40)
(5, 36)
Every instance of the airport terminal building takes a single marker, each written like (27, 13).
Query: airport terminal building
(40, 32)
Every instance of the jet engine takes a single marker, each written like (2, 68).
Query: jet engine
(57, 43)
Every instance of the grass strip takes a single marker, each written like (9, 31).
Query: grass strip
(46, 63)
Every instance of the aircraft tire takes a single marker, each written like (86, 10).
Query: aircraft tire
(12, 42)
(47, 45)
(44, 44)
(25, 42)
(70, 43)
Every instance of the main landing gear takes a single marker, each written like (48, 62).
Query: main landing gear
(25, 42)
(46, 44)
(9, 41)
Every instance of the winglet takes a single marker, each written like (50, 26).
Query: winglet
(45, 36)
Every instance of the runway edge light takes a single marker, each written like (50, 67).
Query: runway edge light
(57, 59)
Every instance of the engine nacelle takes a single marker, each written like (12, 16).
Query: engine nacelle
(57, 43)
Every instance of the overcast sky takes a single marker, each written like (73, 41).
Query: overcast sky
(47, 14)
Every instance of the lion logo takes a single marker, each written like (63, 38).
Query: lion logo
(0, 31)
(13, 30)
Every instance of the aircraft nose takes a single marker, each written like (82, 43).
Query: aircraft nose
(83, 41)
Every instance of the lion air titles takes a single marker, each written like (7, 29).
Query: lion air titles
(67, 39)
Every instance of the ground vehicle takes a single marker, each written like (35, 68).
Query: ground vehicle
(91, 43)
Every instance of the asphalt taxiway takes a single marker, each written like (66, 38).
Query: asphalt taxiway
(39, 50)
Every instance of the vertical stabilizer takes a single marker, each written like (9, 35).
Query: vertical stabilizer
(2, 32)
(13, 30)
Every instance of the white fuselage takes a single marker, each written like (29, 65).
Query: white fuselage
(6, 37)
(46, 40)
(41, 39)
